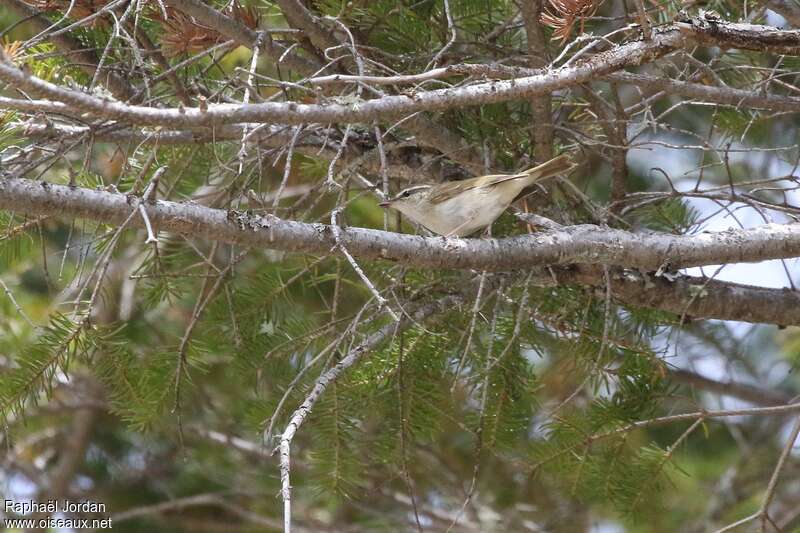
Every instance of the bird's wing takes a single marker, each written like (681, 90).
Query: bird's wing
(449, 189)
(557, 165)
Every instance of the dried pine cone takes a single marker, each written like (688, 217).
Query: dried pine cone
(184, 35)
(565, 13)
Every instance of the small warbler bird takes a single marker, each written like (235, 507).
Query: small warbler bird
(460, 208)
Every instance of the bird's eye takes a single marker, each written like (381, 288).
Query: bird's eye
(406, 194)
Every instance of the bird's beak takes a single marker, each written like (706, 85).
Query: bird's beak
(384, 204)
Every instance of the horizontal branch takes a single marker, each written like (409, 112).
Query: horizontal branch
(692, 298)
(709, 93)
(409, 163)
(701, 415)
(545, 81)
(742, 391)
(271, 136)
(716, 32)
(575, 244)
(619, 57)
(229, 132)
(47, 107)
(686, 296)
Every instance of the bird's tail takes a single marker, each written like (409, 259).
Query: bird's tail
(557, 165)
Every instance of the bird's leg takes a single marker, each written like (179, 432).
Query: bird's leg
(527, 210)
(422, 230)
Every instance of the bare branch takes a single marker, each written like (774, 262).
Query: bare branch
(386, 106)
(739, 98)
(706, 93)
(635, 53)
(577, 244)
(693, 297)
(755, 37)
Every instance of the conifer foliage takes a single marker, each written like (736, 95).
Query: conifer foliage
(194, 333)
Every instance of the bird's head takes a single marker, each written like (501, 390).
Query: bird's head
(409, 201)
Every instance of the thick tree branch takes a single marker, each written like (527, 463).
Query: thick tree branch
(626, 55)
(545, 82)
(577, 244)
(691, 297)
(631, 54)
(742, 36)
(707, 93)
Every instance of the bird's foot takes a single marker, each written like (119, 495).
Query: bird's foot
(453, 242)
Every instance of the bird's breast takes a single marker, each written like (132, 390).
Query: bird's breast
(470, 211)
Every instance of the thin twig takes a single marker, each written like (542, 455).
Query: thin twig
(451, 26)
(377, 295)
(773, 481)
(16, 305)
